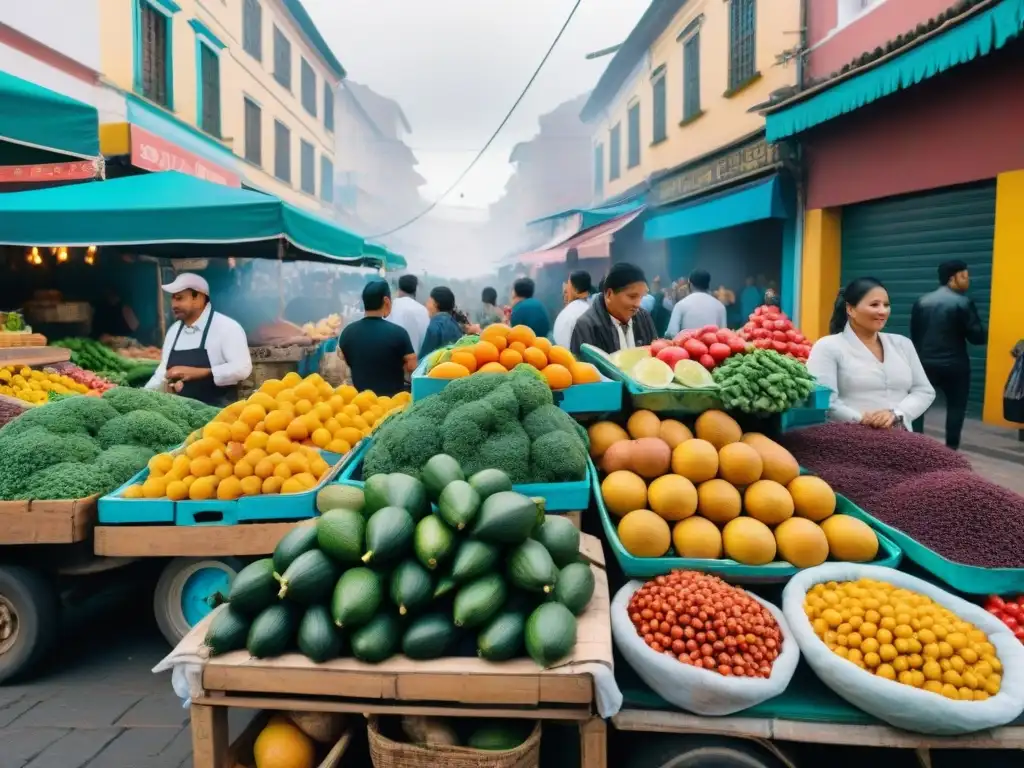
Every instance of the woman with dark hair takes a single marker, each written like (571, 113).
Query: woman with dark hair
(615, 320)
(490, 313)
(446, 321)
(876, 378)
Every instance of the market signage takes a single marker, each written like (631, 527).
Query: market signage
(81, 170)
(152, 153)
(748, 160)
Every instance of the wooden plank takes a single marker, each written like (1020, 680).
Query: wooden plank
(209, 736)
(594, 743)
(47, 522)
(33, 356)
(657, 721)
(190, 541)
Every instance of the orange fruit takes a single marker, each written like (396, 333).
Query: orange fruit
(292, 485)
(277, 421)
(303, 407)
(558, 376)
(272, 485)
(510, 358)
(496, 329)
(522, 333)
(536, 358)
(485, 352)
(323, 411)
(517, 346)
(297, 463)
(257, 440)
(448, 370)
(279, 442)
(321, 437)
(202, 489)
(307, 391)
(264, 469)
(201, 466)
(243, 469)
(282, 471)
(252, 414)
(318, 466)
(223, 471)
(255, 456)
(348, 434)
(305, 479)
(500, 342)
(261, 398)
(272, 386)
(219, 431)
(544, 345)
(177, 490)
(252, 486)
(339, 446)
(337, 402)
(298, 430)
(465, 358)
(230, 488)
(492, 368)
(562, 356)
(584, 373)
(347, 392)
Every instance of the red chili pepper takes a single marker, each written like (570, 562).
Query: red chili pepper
(994, 601)
(1012, 609)
(1010, 622)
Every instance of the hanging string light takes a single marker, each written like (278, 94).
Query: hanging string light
(90, 255)
(62, 254)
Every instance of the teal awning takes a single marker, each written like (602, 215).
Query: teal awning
(979, 35)
(45, 124)
(170, 214)
(753, 202)
(591, 217)
(391, 260)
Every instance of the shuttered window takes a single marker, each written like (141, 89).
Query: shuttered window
(308, 88)
(742, 41)
(209, 78)
(155, 70)
(599, 171)
(691, 77)
(282, 152)
(633, 117)
(328, 107)
(659, 118)
(282, 59)
(615, 152)
(307, 169)
(253, 132)
(326, 179)
(252, 28)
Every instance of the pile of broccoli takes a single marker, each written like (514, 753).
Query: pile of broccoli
(488, 420)
(78, 446)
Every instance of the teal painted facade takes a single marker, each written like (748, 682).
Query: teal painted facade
(168, 8)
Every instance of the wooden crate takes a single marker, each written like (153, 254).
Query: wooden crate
(47, 522)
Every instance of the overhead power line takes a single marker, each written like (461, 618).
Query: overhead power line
(501, 126)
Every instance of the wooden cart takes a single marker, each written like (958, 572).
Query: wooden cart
(450, 687)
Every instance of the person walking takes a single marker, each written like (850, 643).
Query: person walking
(942, 323)
(528, 310)
(698, 309)
(409, 313)
(378, 353)
(576, 295)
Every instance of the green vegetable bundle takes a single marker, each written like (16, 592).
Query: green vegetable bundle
(385, 574)
(94, 356)
(762, 382)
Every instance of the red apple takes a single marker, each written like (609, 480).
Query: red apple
(707, 361)
(709, 337)
(719, 351)
(658, 345)
(681, 337)
(673, 355)
(695, 347)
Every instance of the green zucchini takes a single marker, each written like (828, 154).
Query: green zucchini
(378, 639)
(254, 587)
(357, 596)
(497, 737)
(309, 579)
(299, 539)
(473, 559)
(429, 637)
(561, 539)
(507, 518)
(438, 472)
(531, 568)
(389, 533)
(396, 490)
(411, 587)
(317, 637)
(575, 587)
(477, 602)
(550, 634)
(340, 534)
(459, 504)
(488, 482)
(227, 632)
(502, 638)
(271, 633)
(433, 541)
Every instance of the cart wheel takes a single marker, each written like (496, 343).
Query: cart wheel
(699, 752)
(188, 590)
(29, 613)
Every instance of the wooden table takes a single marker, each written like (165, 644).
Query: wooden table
(450, 687)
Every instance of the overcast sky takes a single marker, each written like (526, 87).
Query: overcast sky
(456, 67)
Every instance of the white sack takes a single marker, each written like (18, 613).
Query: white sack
(701, 691)
(901, 705)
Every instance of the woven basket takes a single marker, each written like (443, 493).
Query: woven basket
(385, 753)
(40, 312)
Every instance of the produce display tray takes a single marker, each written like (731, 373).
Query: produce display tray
(599, 397)
(115, 510)
(558, 497)
(889, 554)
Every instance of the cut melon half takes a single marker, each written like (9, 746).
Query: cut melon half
(653, 373)
(626, 359)
(693, 375)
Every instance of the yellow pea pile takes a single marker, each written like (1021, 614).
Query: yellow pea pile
(33, 386)
(269, 443)
(901, 635)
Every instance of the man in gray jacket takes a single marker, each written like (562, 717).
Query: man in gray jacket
(942, 323)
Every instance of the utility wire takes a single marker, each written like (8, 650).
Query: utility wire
(501, 125)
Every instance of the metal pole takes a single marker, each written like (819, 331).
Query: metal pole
(280, 278)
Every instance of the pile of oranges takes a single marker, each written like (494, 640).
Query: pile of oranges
(269, 443)
(501, 349)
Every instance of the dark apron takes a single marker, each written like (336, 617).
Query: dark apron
(204, 389)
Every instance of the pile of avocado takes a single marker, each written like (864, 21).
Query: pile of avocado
(434, 566)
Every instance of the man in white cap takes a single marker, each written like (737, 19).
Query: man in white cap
(206, 353)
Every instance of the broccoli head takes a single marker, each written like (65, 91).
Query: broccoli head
(503, 401)
(67, 480)
(557, 457)
(145, 428)
(465, 429)
(433, 408)
(67, 416)
(470, 388)
(405, 446)
(122, 462)
(531, 389)
(26, 454)
(551, 418)
(126, 400)
(507, 449)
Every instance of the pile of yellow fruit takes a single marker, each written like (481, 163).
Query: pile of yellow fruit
(900, 635)
(34, 386)
(269, 443)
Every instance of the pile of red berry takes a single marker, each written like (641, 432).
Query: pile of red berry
(709, 346)
(769, 328)
(1009, 611)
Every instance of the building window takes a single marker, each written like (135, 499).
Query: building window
(308, 88)
(614, 152)
(252, 28)
(253, 132)
(282, 152)
(307, 167)
(633, 116)
(328, 107)
(659, 116)
(691, 77)
(155, 43)
(599, 171)
(848, 11)
(742, 41)
(326, 179)
(282, 59)
(209, 90)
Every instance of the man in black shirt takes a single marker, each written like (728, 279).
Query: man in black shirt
(378, 353)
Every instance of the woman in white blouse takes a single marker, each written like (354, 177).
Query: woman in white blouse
(876, 378)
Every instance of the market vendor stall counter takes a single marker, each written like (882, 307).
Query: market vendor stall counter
(453, 687)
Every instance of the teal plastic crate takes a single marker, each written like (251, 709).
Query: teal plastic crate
(889, 555)
(599, 397)
(114, 509)
(558, 497)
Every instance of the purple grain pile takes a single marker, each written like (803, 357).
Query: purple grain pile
(10, 409)
(920, 487)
